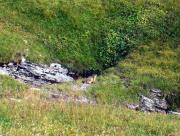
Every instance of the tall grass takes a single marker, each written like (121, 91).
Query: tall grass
(39, 117)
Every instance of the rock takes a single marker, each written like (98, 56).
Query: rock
(173, 112)
(81, 87)
(154, 93)
(158, 98)
(10, 65)
(36, 74)
(133, 106)
(146, 104)
(3, 71)
(16, 100)
(154, 103)
(58, 68)
(54, 96)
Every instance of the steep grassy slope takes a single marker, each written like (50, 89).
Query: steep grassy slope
(83, 34)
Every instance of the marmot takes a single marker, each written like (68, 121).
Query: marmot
(19, 58)
(90, 80)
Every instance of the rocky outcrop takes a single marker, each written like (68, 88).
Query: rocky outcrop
(154, 102)
(36, 74)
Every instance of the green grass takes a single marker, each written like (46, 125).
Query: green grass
(83, 34)
(40, 117)
(92, 35)
(36, 115)
(154, 65)
(10, 87)
(109, 89)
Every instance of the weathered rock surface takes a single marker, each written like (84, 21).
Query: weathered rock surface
(36, 74)
(155, 102)
(3, 71)
(133, 106)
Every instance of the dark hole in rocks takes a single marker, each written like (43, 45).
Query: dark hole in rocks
(83, 74)
(173, 100)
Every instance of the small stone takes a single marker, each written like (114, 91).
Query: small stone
(175, 113)
(154, 93)
(10, 65)
(25, 41)
(16, 100)
(55, 96)
(133, 106)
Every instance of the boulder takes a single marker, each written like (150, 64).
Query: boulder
(154, 103)
(37, 74)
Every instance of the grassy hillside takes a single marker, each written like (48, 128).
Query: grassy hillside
(150, 66)
(140, 37)
(24, 111)
(154, 65)
(84, 34)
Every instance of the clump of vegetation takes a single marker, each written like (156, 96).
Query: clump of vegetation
(9, 86)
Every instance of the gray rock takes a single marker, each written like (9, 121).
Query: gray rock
(133, 106)
(146, 104)
(173, 112)
(10, 65)
(155, 93)
(3, 71)
(154, 103)
(36, 74)
(58, 68)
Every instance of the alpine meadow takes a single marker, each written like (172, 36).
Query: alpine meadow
(90, 67)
